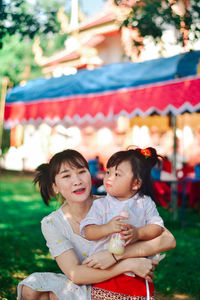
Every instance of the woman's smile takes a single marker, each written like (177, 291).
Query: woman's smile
(79, 191)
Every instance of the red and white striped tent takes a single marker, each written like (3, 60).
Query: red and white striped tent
(161, 86)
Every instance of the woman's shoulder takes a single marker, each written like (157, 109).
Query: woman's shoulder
(54, 215)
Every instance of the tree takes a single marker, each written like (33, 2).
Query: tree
(17, 60)
(20, 21)
(25, 19)
(153, 17)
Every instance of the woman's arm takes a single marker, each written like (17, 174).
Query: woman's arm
(81, 274)
(162, 243)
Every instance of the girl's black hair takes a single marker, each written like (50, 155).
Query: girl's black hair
(142, 161)
(45, 173)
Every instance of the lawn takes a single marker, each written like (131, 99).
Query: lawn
(23, 250)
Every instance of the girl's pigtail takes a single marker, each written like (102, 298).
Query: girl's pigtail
(44, 182)
(154, 159)
(151, 157)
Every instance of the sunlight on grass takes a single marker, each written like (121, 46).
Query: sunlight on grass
(3, 226)
(41, 258)
(177, 296)
(19, 275)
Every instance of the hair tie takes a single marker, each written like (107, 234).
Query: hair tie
(146, 152)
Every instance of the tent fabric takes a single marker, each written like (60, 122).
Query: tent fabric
(161, 85)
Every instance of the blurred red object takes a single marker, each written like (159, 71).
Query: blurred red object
(162, 193)
(192, 186)
(167, 165)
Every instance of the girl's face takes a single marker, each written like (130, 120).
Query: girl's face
(73, 183)
(119, 182)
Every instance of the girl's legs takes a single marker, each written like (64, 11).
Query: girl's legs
(30, 294)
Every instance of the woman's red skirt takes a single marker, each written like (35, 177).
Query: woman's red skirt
(123, 287)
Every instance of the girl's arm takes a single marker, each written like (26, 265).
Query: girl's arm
(143, 233)
(81, 274)
(95, 232)
(149, 232)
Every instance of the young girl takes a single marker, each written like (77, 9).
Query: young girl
(68, 174)
(128, 184)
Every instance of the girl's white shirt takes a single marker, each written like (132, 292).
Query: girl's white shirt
(142, 211)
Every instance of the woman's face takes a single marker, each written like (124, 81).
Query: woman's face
(73, 183)
(119, 182)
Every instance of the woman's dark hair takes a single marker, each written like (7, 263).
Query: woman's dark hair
(45, 173)
(142, 161)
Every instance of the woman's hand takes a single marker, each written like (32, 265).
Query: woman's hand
(143, 267)
(100, 260)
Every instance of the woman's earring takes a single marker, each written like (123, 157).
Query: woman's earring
(55, 188)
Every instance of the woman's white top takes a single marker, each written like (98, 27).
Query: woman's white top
(59, 238)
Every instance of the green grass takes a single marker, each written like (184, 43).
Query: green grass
(179, 272)
(23, 250)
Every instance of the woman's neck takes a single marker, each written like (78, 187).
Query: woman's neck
(77, 211)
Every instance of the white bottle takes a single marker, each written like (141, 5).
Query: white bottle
(116, 245)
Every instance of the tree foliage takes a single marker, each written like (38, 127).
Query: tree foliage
(16, 59)
(25, 19)
(152, 17)
(20, 21)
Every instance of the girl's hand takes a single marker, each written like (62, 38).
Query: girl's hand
(130, 234)
(100, 260)
(116, 225)
(143, 267)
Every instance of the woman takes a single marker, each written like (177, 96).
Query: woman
(68, 174)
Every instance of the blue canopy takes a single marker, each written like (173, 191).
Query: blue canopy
(108, 78)
(157, 85)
